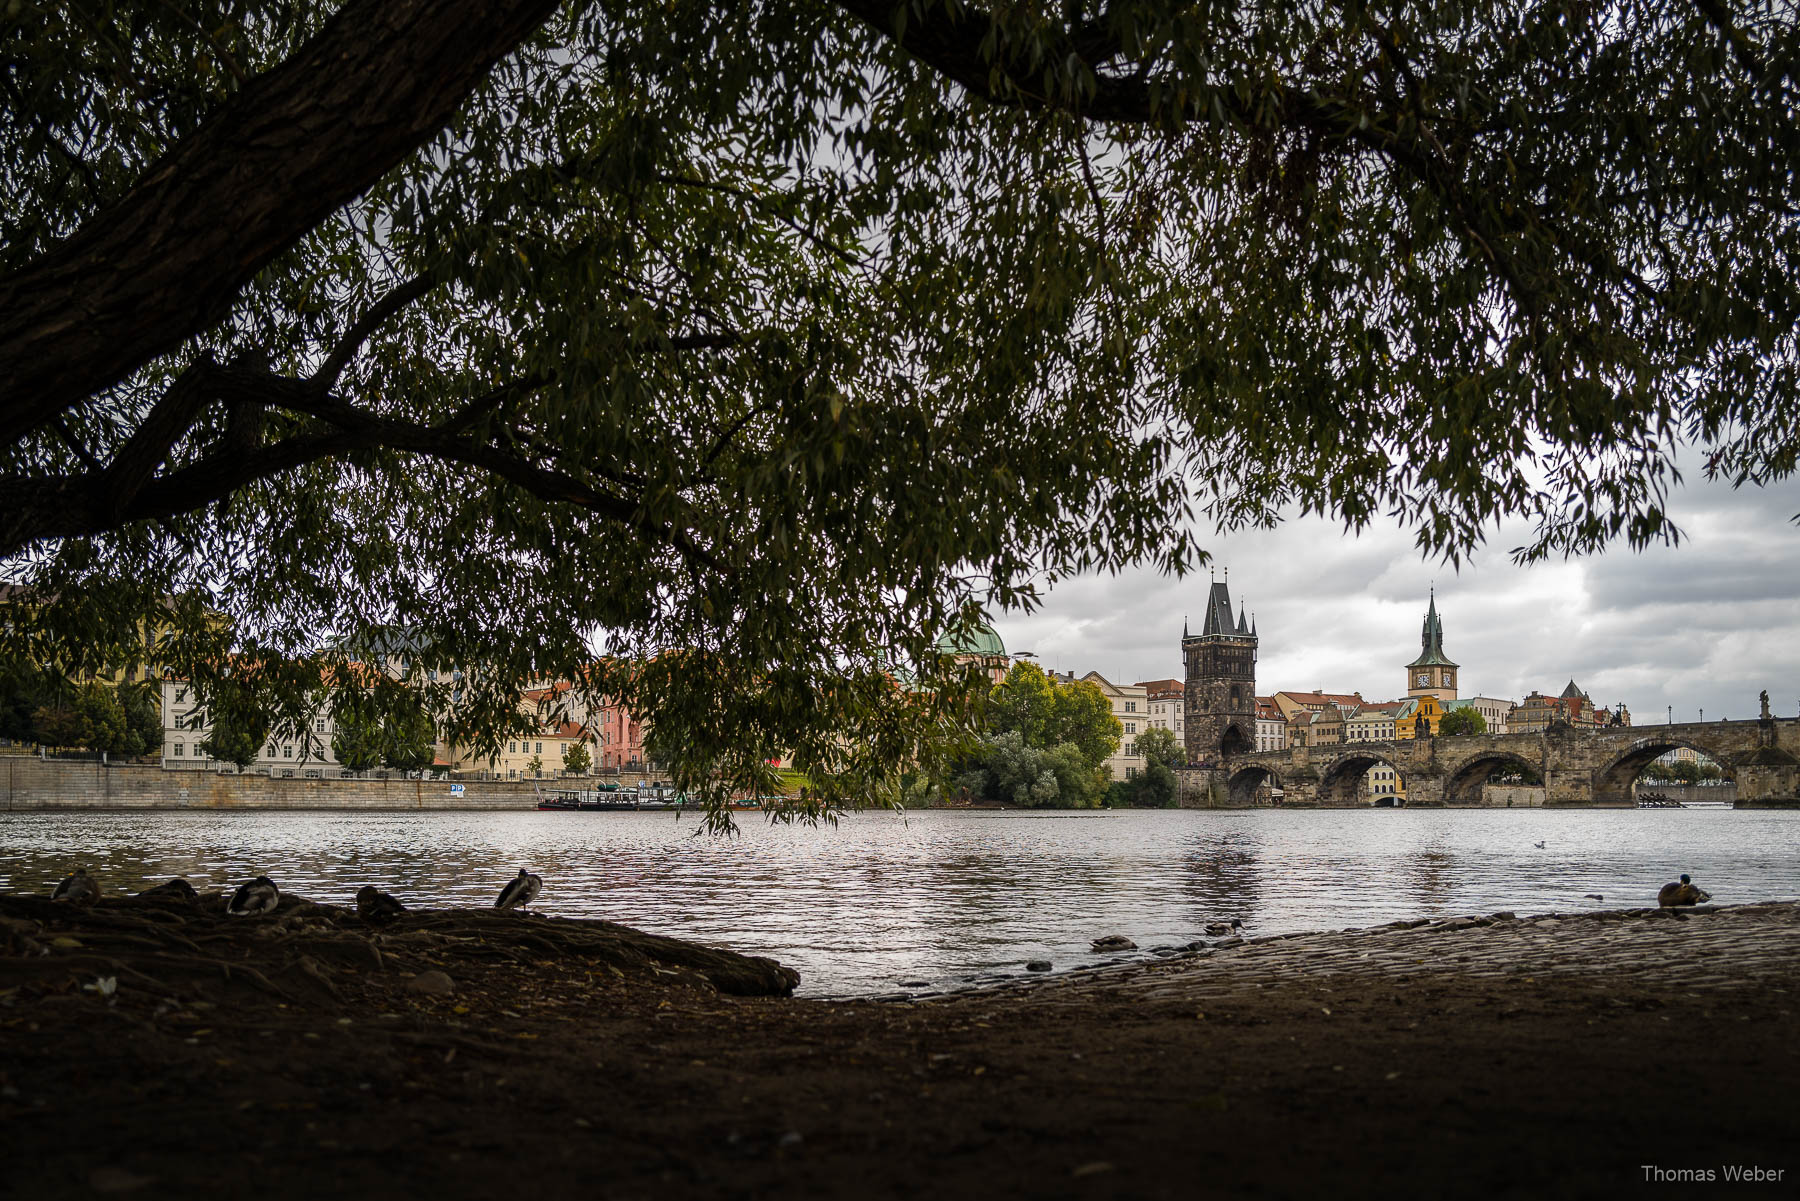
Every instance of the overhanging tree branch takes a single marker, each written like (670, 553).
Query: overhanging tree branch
(39, 508)
(167, 260)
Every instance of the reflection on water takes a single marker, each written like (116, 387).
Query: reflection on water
(941, 896)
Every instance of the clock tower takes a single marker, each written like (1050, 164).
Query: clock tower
(1432, 673)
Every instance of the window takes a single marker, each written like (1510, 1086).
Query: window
(180, 695)
(540, 748)
(287, 752)
(512, 748)
(1131, 727)
(271, 750)
(319, 725)
(1131, 706)
(1131, 750)
(179, 750)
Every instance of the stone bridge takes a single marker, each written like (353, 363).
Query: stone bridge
(1578, 766)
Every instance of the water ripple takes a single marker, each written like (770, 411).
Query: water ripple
(943, 896)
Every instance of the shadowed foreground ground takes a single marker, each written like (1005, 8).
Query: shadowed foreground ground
(1540, 1058)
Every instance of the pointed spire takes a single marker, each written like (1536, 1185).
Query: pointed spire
(1243, 626)
(1184, 625)
(1431, 638)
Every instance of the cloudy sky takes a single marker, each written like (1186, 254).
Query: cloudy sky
(1702, 626)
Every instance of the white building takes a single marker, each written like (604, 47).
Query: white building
(1493, 710)
(306, 753)
(1271, 726)
(1131, 705)
(1167, 707)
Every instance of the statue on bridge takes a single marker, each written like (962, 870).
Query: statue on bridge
(1766, 716)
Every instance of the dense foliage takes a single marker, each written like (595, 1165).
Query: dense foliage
(1462, 720)
(40, 706)
(383, 727)
(722, 358)
(1044, 745)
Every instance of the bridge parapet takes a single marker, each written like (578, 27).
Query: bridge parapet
(1578, 766)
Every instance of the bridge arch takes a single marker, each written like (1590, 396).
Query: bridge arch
(1617, 781)
(1248, 784)
(1463, 786)
(1341, 783)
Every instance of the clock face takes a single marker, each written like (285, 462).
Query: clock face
(1424, 678)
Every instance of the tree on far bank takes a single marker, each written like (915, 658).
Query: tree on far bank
(103, 725)
(143, 717)
(236, 737)
(408, 737)
(384, 727)
(1154, 787)
(778, 341)
(576, 759)
(1045, 742)
(58, 723)
(1462, 720)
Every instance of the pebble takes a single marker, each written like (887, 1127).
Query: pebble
(1037, 965)
(1758, 944)
(431, 984)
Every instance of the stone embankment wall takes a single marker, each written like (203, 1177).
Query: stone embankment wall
(31, 783)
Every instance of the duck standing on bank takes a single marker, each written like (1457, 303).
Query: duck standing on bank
(520, 890)
(177, 889)
(377, 907)
(78, 888)
(1221, 929)
(257, 896)
(1682, 892)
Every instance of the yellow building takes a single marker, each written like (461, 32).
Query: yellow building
(1425, 708)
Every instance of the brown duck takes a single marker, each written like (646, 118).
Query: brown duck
(1682, 892)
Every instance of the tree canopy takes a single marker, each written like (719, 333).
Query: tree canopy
(723, 358)
(1462, 720)
(1044, 743)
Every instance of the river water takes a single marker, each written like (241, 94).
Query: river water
(882, 902)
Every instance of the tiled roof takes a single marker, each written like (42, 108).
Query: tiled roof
(1340, 699)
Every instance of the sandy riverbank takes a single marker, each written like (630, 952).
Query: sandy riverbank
(1549, 1057)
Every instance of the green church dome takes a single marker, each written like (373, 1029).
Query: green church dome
(981, 642)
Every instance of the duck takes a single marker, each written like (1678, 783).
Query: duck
(258, 896)
(377, 907)
(1221, 929)
(177, 889)
(1682, 892)
(520, 890)
(78, 888)
(1594, 896)
(1538, 845)
(1113, 942)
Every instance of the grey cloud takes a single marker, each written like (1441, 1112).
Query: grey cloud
(1705, 625)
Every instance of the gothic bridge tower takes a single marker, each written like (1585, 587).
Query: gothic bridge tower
(1220, 667)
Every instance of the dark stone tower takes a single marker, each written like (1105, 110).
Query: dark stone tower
(1220, 708)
